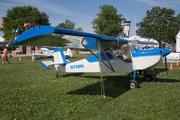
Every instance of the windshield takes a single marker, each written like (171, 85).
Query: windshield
(133, 45)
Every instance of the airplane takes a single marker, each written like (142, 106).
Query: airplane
(50, 51)
(115, 54)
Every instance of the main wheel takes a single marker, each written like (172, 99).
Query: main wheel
(57, 75)
(147, 77)
(133, 84)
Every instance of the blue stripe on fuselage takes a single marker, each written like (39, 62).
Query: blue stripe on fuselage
(140, 53)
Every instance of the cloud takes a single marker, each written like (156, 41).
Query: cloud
(161, 3)
(4, 7)
(42, 5)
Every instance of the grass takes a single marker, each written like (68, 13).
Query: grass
(29, 91)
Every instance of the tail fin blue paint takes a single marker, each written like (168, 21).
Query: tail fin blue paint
(59, 56)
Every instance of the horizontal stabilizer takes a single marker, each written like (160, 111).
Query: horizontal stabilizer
(49, 63)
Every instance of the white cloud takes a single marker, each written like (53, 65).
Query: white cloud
(42, 5)
(57, 13)
(162, 3)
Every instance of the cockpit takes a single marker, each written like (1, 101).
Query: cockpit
(123, 52)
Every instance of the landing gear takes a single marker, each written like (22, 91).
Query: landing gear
(57, 75)
(133, 84)
(147, 77)
(139, 72)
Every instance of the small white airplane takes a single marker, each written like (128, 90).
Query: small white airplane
(115, 54)
(50, 52)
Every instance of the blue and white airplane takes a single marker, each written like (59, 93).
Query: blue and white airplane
(115, 54)
(50, 52)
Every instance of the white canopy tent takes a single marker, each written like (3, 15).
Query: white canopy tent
(1, 39)
(178, 42)
(144, 39)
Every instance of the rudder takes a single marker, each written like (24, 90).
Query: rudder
(59, 56)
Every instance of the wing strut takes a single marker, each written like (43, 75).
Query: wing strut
(101, 73)
(109, 66)
(100, 48)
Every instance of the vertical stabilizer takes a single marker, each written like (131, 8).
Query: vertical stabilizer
(69, 52)
(59, 56)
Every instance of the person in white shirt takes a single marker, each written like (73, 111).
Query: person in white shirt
(33, 56)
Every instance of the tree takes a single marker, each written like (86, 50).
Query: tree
(17, 16)
(79, 29)
(160, 24)
(67, 25)
(108, 21)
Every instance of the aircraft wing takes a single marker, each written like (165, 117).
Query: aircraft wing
(144, 42)
(53, 36)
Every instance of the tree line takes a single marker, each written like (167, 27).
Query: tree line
(159, 23)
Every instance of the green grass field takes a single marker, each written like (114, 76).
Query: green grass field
(29, 91)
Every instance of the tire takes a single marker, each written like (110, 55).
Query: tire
(133, 84)
(139, 72)
(57, 75)
(148, 78)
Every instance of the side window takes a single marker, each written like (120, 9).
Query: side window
(122, 52)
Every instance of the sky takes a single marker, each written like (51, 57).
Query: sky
(83, 12)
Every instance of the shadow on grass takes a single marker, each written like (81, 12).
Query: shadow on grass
(159, 70)
(114, 85)
(73, 74)
(11, 63)
(45, 57)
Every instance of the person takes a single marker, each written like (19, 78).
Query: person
(5, 57)
(33, 56)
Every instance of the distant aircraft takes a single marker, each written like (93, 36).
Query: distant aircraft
(115, 54)
(50, 51)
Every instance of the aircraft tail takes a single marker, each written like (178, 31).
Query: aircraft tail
(59, 56)
(69, 52)
(59, 59)
(47, 52)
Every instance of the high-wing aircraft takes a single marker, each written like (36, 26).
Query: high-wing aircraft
(50, 52)
(115, 54)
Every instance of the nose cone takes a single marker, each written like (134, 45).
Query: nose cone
(165, 52)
